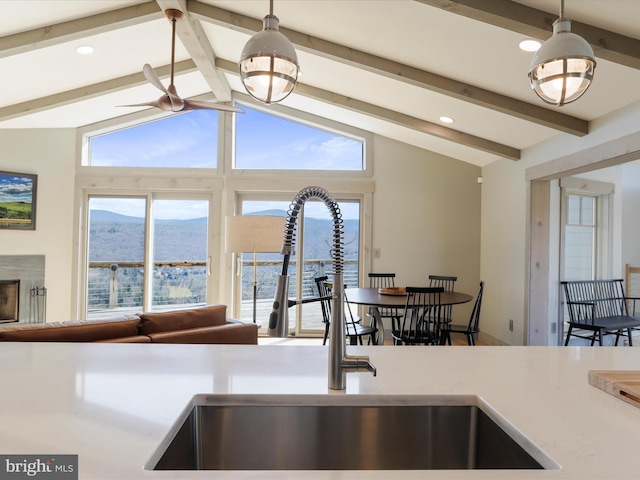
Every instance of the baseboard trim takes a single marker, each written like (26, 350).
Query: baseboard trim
(487, 339)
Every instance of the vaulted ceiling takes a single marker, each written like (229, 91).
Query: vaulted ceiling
(392, 67)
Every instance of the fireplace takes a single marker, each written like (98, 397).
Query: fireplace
(22, 291)
(9, 300)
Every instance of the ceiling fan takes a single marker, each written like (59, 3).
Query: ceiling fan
(170, 101)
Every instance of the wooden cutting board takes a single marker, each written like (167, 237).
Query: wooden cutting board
(623, 384)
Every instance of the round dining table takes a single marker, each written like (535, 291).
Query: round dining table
(373, 298)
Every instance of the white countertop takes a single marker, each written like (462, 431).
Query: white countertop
(113, 404)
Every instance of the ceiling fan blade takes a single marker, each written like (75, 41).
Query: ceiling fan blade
(201, 105)
(152, 77)
(155, 103)
(165, 102)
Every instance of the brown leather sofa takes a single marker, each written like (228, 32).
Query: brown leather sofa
(197, 325)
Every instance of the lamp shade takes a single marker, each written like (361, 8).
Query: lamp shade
(562, 69)
(269, 64)
(254, 233)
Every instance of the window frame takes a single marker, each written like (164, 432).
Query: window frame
(593, 228)
(603, 215)
(155, 190)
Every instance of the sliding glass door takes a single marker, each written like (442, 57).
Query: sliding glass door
(313, 258)
(145, 253)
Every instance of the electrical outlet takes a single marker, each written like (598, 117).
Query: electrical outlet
(510, 325)
(376, 253)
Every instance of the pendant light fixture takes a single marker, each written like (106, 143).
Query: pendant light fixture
(562, 69)
(268, 63)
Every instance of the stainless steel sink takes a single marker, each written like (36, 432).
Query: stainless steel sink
(344, 432)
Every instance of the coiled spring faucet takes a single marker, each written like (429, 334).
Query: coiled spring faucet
(339, 362)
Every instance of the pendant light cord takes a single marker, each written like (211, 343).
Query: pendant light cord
(561, 9)
(271, 7)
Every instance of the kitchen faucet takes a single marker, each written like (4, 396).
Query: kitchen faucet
(339, 362)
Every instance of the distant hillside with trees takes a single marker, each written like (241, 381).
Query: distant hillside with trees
(115, 238)
(120, 238)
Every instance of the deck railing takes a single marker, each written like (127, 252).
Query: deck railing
(119, 285)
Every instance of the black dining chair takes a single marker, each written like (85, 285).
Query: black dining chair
(444, 281)
(421, 322)
(471, 328)
(353, 329)
(384, 280)
(448, 283)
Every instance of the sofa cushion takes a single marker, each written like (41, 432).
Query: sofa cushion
(73, 331)
(231, 333)
(133, 339)
(210, 316)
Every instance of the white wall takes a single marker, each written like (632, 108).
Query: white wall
(503, 247)
(426, 217)
(504, 216)
(631, 214)
(50, 154)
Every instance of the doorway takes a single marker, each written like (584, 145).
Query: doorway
(543, 265)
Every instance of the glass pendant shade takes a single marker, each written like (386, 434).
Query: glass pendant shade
(562, 69)
(269, 64)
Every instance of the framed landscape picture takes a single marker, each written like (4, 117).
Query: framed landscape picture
(18, 200)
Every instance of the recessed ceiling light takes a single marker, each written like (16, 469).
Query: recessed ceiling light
(84, 49)
(446, 120)
(530, 45)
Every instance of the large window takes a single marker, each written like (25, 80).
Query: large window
(154, 224)
(265, 141)
(145, 254)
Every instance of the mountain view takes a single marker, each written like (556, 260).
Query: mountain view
(120, 238)
(116, 238)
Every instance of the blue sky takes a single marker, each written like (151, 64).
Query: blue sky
(15, 188)
(191, 140)
(267, 141)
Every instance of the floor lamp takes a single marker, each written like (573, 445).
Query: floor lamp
(257, 234)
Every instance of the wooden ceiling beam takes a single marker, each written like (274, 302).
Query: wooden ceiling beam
(77, 29)
(535, 23)
(394, 117)
(194, 39)
(400, 72)
(89, 91)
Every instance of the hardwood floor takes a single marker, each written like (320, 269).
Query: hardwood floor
(456, 340)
